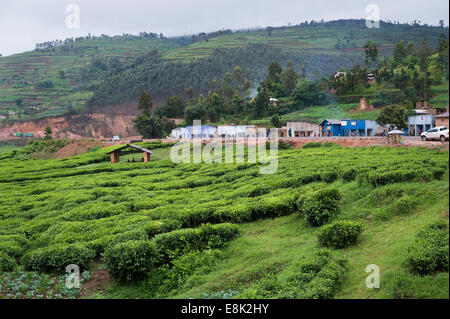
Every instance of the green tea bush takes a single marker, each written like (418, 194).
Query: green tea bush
(180, 273)
(429, 251)
(403, 205)
(206, 236)
(56, 258)
(349, 175)
(329, 177)
(379, 178)
(340, 234)
(12, 249)
(312, 145)
(317, 276)
(7, 263)
(156, 227)
(131, 260)
(320, 206)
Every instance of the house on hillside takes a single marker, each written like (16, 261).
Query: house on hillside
(273, 102)
(338, 74)
(302, 129)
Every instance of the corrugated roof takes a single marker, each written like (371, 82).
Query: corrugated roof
(332, 121)
(442, 115)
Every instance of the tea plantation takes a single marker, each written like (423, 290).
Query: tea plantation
(165, 230)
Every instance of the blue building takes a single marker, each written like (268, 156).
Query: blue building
(348, 127)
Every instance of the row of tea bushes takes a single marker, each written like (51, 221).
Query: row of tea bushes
(317, 276)
(132, 260)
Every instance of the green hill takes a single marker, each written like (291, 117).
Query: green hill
(60, 79)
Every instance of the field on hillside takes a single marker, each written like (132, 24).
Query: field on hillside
(164, 230)
(20, 73)
(299, 39)
(54, 81)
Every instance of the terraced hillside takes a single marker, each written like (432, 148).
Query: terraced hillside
(61, 79)
(21, 74)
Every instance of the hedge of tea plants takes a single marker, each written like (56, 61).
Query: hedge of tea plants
(81, 209)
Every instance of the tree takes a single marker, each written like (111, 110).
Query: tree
(62, 74)
(274, 72)
(269, 31)
(19, 101)
(261, 100)
(48, 133)
(174, 107)
(289, 79)
(167, 125)
(189, 93)
(195, 112)
(275, 120)
(149, 127)
(371, 51)
(400, 53)
(393, 115)
(443, 55)
(145, 103)
(308, 93)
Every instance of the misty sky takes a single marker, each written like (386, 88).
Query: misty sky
(25, 22)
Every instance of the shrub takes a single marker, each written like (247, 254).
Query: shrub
(161, 280)
(341, 234)
(329, 177)
(7, 263)
(403, 205)
(206, 236)
(429, 251)
(12, 249)
(403, 285)
(56, 258)
(320, 206)
(318, 276)
(312, 145)
(131, 260)
(349, 175)
(155, 227)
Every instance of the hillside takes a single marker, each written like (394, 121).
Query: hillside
(60, 79)
(140, 227)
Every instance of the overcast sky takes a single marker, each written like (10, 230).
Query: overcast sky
(23, 23)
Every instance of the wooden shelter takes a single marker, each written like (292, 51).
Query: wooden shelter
(115, 155)
(395, 137)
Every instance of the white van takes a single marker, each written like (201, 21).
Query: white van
(116, 139)
(437, 133)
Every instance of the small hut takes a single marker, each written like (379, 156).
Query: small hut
(115, 155)
(394, 137)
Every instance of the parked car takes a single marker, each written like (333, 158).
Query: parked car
(436, 133)
(116, 138)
